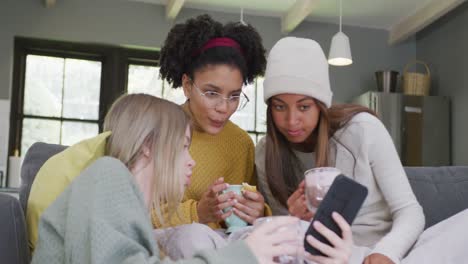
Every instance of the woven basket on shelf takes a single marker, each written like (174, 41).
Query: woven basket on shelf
(415, 83)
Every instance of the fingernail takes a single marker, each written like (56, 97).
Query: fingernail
(235, 201)
(317, 223)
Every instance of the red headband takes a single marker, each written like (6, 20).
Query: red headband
(219, 42)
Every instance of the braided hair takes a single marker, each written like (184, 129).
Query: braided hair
(182, 52)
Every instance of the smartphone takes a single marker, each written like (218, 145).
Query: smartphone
(345, 197)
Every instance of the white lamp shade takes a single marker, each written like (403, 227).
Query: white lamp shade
(340, 52)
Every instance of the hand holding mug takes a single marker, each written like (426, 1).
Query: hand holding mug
(250, 206)
(212, 203)
(273, 238)
(297, 204)
(233, 221)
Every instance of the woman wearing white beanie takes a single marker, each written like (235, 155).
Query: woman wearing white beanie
(304, 131)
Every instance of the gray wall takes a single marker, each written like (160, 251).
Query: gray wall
(132, 23)
(444, 45)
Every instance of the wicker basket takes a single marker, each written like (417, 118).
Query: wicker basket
(415, 83)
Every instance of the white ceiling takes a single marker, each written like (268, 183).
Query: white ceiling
(402, 18)
(382, 14)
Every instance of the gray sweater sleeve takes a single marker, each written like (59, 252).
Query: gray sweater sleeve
(101, 218)
(407, 214)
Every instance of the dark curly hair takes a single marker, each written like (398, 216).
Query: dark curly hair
(178, 55)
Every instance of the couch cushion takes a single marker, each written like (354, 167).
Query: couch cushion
(441, 191)
(13, 243)
(36, 156)
(56, 174)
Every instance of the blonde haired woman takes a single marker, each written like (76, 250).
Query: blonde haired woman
(103, 216)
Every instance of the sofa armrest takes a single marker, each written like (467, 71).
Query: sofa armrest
(13, 239)
(441, 191)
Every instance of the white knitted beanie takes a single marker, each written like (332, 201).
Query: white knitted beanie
(297, 66)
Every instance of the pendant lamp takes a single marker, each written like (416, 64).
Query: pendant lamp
(340, 52)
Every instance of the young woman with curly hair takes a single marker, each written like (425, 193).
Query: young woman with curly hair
(212, 62)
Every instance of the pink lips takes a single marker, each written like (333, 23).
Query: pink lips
(295, 133)
(217, 124)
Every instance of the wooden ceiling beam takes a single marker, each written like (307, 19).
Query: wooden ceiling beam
(173, 8)
(296, 14)
(419, 20)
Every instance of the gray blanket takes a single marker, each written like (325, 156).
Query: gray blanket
(101, 218)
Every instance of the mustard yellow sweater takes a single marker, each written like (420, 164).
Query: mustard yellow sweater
(229, 154)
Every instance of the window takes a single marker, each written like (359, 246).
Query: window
(62, 90)
(61, 100)
(253, 117)
(145, 79)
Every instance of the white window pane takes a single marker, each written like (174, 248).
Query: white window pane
(43, 85)
(74, 132)
(144, 79)
(261, 107)
(82, 89)
(39, 130)
(174, 95)
(245, 118)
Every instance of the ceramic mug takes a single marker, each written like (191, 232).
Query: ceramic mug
(233, 222)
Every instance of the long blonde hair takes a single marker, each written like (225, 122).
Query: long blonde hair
(138, 120)
(280, 160)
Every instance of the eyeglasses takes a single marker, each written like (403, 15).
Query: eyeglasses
(213, 99)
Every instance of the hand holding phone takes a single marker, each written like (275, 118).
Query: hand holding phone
(342, 247)
(345, 197)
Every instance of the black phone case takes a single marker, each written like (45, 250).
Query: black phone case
(345, 197)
